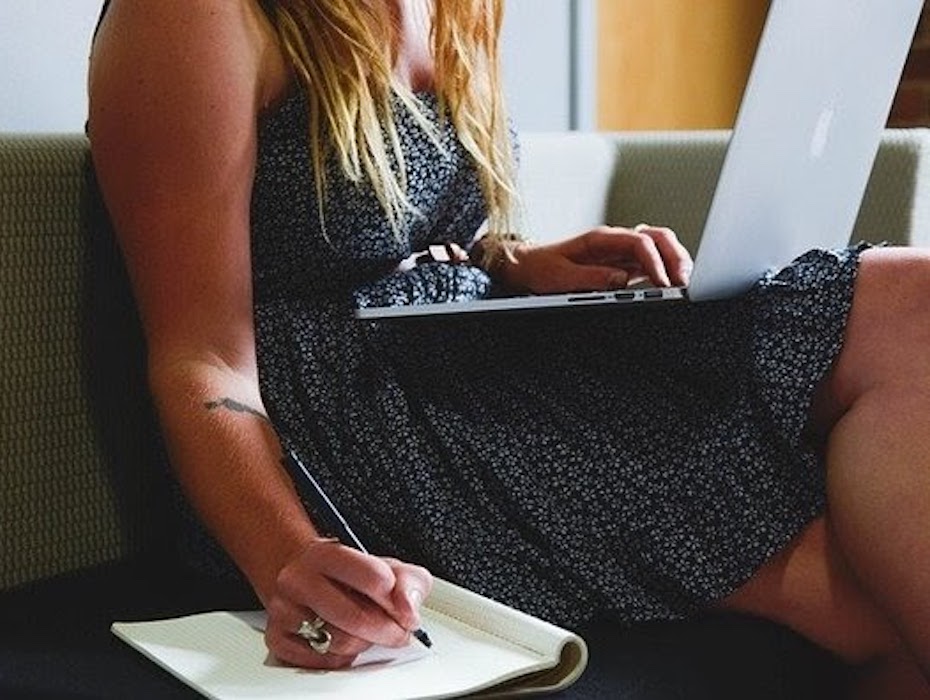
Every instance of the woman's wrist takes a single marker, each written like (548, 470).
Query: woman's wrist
(499, 255)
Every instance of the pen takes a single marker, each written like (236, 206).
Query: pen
(326, 509)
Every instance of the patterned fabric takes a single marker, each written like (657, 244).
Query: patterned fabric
(631, 463)
(57, 506)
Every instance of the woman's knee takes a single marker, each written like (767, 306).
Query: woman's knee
(888, 330)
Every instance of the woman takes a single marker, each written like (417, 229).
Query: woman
(269, 165)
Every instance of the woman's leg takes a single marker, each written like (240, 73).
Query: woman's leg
(879, 448)
(878, 459)
(810, 588)
(863, 583)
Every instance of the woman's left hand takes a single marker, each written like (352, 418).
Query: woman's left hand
(606, 257)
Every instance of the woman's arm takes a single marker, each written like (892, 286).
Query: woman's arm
(176, 87)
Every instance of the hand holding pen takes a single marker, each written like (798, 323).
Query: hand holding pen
(358, 599)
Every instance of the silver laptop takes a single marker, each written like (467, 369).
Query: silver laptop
(798, 161)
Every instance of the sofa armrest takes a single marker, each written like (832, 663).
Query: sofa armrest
(896, 205)
(78, 448)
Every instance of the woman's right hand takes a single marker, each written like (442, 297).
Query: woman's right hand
(363, 599)
(606, 257)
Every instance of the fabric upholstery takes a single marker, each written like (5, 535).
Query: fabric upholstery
(72, 477)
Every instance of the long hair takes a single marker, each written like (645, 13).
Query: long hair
(343, 53)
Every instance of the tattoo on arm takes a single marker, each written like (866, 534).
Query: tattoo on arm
(235, 407)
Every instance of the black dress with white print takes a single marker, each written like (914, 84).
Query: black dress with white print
(624, 464)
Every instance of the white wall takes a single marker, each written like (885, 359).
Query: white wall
(549, 63)
(43, 63)
(44, 46)
(536, 47)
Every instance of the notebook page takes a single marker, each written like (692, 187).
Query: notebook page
(568, 653)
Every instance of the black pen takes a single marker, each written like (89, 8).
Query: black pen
(326, 509)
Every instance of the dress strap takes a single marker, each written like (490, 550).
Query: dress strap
(103, 11)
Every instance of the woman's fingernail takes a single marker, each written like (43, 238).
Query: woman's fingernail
(415, 596)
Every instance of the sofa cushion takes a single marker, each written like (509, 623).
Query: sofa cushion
(56, 640)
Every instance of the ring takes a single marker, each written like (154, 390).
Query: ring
(315, 634)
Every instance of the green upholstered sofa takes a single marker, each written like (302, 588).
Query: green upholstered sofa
(84, 532)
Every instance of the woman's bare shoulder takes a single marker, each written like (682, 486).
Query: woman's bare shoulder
(190, 42)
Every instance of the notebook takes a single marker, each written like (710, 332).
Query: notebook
(798, 161)
(480, 647)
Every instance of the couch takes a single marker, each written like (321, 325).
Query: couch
(85, 538)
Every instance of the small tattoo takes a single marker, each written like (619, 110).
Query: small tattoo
(235, 407)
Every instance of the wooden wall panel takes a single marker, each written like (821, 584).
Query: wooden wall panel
(674, 64)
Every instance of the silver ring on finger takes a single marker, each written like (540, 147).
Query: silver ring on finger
(315, 634)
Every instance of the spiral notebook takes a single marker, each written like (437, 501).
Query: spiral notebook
(480, 647)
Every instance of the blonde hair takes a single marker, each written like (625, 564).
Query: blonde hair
(343, 53)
